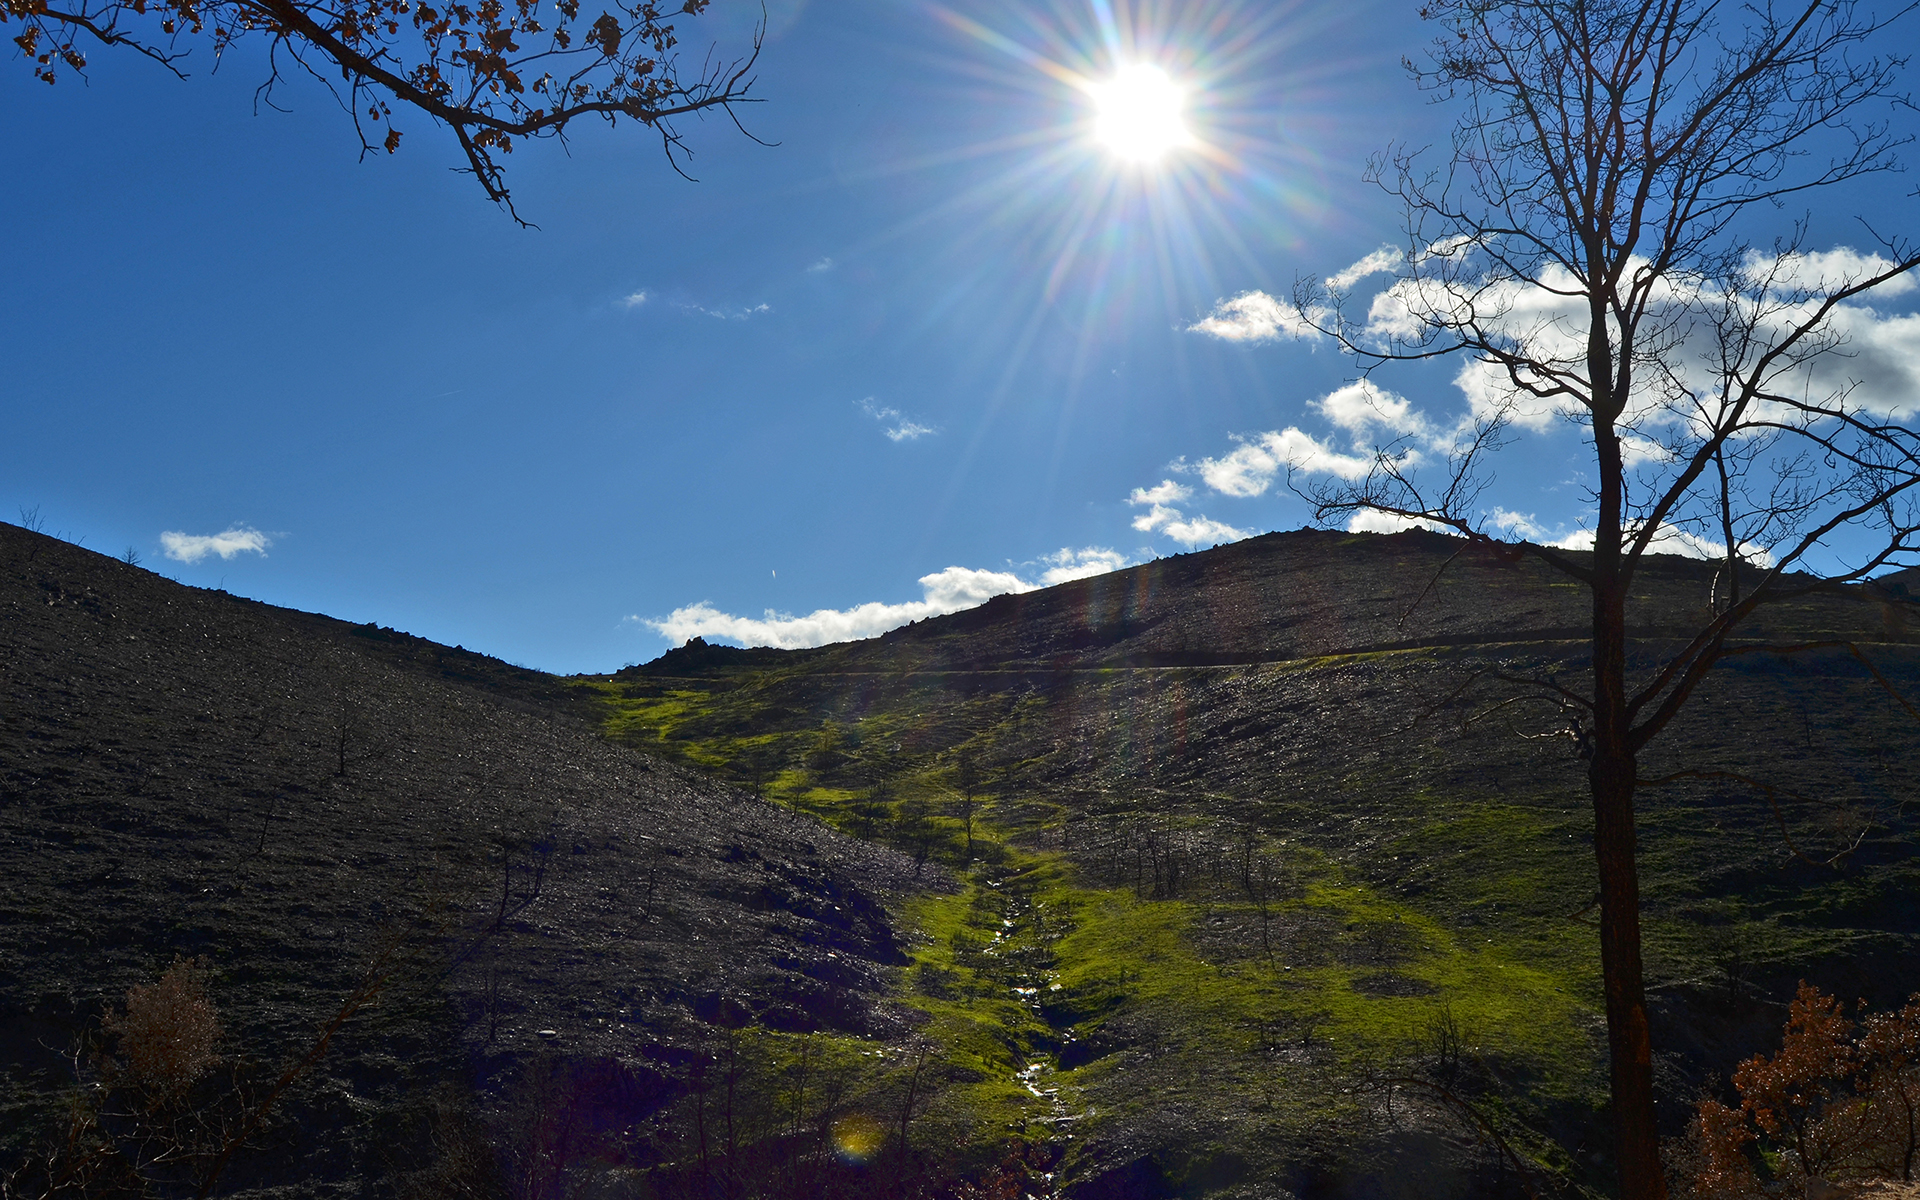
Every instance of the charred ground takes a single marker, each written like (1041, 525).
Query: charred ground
(183, 772)
(1238, 852)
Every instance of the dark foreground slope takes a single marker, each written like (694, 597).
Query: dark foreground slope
(1257, 825)
(186, 773)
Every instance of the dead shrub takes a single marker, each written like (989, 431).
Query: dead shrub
(168, 1034)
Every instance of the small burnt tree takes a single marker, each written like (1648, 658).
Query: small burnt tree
(966, 778)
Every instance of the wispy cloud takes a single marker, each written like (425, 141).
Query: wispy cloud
(729, 314)
(896, 425)
(942, 592)
(192, 547)
(825, 264)
(1386, 258)
(1254, 317)
(633, 299)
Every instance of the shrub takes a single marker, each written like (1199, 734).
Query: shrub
(1840, 1101)
(168, 1033)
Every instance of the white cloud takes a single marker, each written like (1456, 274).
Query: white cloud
(824, 264)
(1371, 520)
(896, 425)
(1066, 565)
(634, 300)
(942, 592)
(1876, 359)
(1386, 258)
(192, 547)
(1247, 471)
(1164, 492)
(1670, 540)
(1872, 366)
(1252, 465)
(1161, 517)
(1881, 363)
(1201, 530)
(1254, 317)
(1826, 270)
(1637, 451)
(1513, 524)
(1363, 408)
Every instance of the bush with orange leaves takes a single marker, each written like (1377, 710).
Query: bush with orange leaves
(1840, 1101)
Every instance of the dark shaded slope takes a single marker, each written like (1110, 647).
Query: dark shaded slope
(184, 772)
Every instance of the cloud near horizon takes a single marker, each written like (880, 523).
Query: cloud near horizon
(943, 592)
(1163, 518)
(190, 548)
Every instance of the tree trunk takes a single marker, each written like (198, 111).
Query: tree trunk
(1631, 1049)
(1611, 775)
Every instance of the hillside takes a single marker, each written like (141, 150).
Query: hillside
(1133, 887)
(183, 772)
(1293, 843)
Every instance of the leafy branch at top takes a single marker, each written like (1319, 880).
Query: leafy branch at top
(493, 71)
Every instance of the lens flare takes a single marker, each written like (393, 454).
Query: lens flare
(1139, 113)
(856, 1137)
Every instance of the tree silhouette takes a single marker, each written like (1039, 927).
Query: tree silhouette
(1586, 251)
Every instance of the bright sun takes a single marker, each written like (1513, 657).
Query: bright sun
(1138, 113)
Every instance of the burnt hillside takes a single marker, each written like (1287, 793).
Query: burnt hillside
(1296, 752)
(1122, 888)
(183, 772)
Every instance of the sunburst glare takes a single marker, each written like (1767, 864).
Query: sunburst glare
(1125, 159)
(1140, 113)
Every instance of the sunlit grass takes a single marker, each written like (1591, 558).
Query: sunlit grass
(1109, 979)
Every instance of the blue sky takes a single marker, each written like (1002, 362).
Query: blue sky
(936, 342)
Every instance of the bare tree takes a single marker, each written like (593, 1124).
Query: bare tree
(492, 72)
(966, 776)
(1587, 251)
